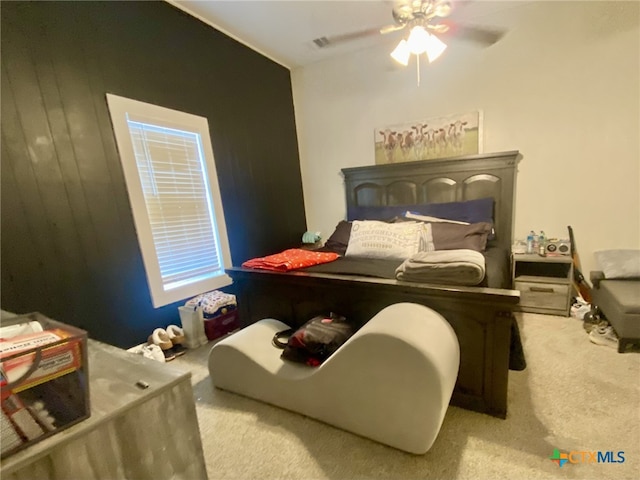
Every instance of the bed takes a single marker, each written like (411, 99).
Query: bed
(481, 316)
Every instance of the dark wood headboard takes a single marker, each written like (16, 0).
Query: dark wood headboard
(444, 180)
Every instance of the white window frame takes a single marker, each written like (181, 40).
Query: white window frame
(121, 109)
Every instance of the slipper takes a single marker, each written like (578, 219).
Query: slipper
(160, 337)
(176, 334)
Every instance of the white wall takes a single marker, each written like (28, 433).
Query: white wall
(563, 88)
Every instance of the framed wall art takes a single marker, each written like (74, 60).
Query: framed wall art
(439, 137)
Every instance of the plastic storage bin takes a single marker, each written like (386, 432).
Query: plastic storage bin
(193, 325)
(44, 380)
(208, 316)
(221, 325)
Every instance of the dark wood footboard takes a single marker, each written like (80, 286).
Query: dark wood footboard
(481, 318)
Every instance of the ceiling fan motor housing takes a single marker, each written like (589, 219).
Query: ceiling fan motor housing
(420, 13)
(405, 12)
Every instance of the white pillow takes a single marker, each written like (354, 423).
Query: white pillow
(395, 241)
(619, 263)
(427, 218)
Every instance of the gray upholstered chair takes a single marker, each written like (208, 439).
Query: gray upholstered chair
(619, 301)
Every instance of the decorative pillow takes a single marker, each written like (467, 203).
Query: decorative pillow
(451, 236)
(396, 241)
(619, 263)
(471, 211)
(339, 239)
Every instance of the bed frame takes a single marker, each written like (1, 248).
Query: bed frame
(481, 317)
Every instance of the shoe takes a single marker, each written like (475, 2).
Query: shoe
(160, 337)
(604, 335)
(579, 310)
(176, 334)
(590, 321)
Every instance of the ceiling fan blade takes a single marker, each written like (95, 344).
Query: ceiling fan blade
(391, 28)
(486, 36)
(439, 28)
(324, 42)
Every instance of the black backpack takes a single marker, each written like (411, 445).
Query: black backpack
(314, 341)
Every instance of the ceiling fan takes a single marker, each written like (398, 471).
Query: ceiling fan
(426, 14)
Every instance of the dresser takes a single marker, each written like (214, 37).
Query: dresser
(143, 425)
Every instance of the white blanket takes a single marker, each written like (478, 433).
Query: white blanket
(451, 267)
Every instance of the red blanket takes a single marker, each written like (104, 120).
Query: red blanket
(290, 260)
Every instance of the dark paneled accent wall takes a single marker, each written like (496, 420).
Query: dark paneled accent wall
(69, 246)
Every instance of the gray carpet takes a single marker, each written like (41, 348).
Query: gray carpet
(574, 396)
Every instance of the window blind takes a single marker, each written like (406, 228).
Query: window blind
(172, 171)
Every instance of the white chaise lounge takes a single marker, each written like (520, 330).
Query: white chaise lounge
(390, 382)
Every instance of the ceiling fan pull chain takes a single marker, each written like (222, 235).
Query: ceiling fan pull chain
(418, 68)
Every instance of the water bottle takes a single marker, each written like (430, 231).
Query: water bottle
(530, 238)
(542, 242)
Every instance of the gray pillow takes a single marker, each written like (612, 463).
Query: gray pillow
(619, 263)
(339, 239)
(451, 236)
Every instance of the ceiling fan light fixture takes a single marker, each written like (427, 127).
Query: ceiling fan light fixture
(434, 47)
(418, 40)
(401, 53)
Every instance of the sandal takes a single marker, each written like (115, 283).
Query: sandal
(161, 338)
(176, 335)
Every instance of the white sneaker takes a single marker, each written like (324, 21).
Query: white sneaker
(604, 335)
(578, 311)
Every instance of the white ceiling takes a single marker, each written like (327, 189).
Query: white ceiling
(284, 30)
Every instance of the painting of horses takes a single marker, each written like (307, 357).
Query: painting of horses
(441, 137)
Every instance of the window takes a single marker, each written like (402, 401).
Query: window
(173, 188)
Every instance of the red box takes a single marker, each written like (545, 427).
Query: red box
(221, 325)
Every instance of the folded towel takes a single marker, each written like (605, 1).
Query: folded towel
(450, 267)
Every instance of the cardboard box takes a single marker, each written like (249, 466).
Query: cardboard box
(44, 384)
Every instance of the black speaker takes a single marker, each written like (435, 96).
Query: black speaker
(557, 247)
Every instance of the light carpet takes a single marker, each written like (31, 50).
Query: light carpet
(573, 396)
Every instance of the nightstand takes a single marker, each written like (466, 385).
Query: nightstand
(544, 283)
